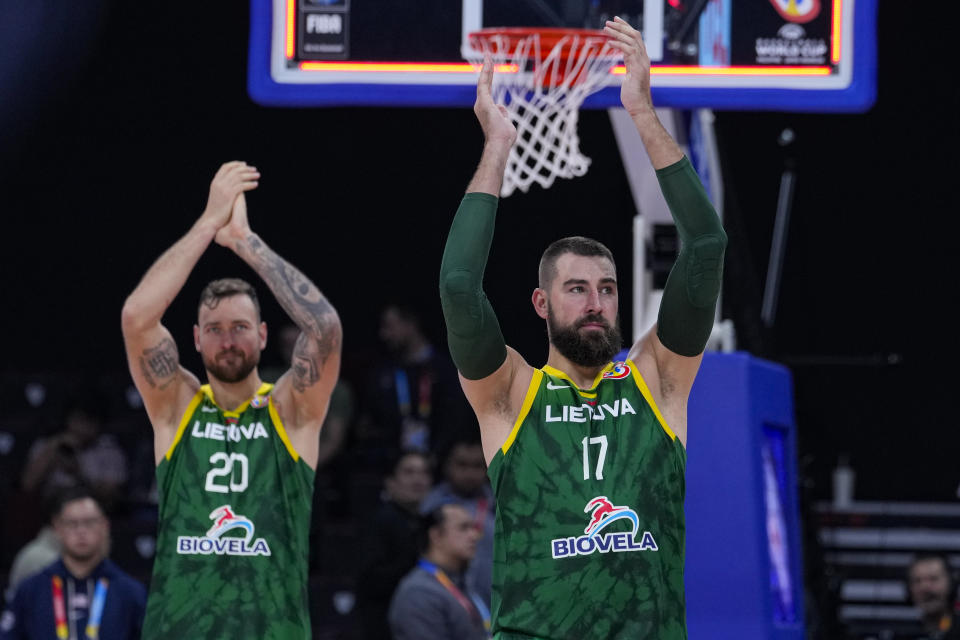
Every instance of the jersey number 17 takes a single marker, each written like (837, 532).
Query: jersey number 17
(601, 457)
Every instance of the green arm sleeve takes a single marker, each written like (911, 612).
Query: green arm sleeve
(473, 333)
(693, 286)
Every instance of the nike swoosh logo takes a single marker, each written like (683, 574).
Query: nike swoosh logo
(208, 409)
(552, 386)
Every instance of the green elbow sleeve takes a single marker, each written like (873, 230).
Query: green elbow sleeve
(690, 295)
(473, 332)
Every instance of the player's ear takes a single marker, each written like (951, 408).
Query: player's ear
(539, 299)
(196, 337)
(262, 329)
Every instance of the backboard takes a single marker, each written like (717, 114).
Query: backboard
(789, 55)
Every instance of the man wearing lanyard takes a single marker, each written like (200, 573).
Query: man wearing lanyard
(82, 595)
(433, 601)
(411, 401)
(465, 483)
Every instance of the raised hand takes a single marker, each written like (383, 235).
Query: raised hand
(494, 118)
(238, 227)
(231, 180)
(635, 91)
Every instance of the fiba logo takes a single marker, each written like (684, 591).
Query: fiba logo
(324, 23)
(791, 31)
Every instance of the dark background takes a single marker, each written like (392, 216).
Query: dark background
(114, 116)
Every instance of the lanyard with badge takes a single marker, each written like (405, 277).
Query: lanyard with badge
(66, 631)
(474, 605)
(481, 516)
(415, 432)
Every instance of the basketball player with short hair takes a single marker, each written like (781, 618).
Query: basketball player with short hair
(586, 456)
(235, 457)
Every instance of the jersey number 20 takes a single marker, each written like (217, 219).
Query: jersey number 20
(234, 471)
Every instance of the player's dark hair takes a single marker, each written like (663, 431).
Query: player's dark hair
(577, 245)
(217, 290)
(429, 521)
(72, 494)
(459, 440)
(926, 556)
(394, 462)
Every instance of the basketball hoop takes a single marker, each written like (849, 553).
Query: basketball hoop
(542, 78)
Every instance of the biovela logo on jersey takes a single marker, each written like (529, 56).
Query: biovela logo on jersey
(224, 520)
(604, 514)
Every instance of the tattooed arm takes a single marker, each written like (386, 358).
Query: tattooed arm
(303, 393)
(165, 386)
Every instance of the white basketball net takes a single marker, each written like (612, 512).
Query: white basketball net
(546, 116)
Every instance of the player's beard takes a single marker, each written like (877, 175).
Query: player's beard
(591, 349)
(231, 372)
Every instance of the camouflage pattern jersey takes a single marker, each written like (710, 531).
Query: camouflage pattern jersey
(232, 547)
(589, 538)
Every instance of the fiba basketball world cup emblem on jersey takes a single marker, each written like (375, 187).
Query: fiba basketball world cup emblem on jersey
(224, 520)
(797, 10)
(619, 371)
(602, 514)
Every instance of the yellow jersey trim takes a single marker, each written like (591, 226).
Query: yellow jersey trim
(206, 392)
(586, 393)
(524, 409)
(191, 408)
(278, 425)
(645, 390)
(264, 389)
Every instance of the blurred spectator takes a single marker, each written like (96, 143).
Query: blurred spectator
(390, 548)
(465, 483)
(434, 601)
(36, 554)
(933, 590)
(82, 594)
(78, 455)
(414, 391)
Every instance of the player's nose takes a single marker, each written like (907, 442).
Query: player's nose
(593, 302)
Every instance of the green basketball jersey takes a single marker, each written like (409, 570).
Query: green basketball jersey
(232, 545)
(589, 538)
